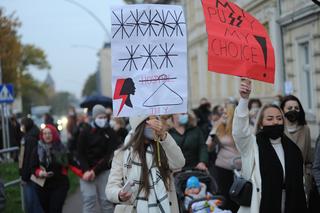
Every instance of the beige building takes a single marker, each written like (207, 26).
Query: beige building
(104, 73)
(217, 87)
(300, 25)
(294, 29)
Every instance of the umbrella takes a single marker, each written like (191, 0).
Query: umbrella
(90, 101)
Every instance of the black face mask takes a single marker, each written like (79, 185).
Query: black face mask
(273, 132)
(292, 116)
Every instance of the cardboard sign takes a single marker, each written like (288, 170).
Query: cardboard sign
(238, 44)
(149, 60)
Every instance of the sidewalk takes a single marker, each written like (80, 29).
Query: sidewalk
(73, 203)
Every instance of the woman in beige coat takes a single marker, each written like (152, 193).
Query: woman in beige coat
(139, 163)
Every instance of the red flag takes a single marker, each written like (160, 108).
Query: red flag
(238, 44)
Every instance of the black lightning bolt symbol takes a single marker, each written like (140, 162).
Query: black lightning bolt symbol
(240, 19)
(232, 18)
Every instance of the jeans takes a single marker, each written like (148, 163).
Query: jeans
(93, 191)
(31, 200)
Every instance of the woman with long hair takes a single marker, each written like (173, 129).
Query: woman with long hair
(146, 161)
(228, 157)
(270, 160)
(298, 131)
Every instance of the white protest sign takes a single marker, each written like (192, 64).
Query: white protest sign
(149, 60)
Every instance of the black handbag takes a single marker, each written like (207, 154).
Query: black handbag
(241, 190)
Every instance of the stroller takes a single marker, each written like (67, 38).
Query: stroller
(180, 179)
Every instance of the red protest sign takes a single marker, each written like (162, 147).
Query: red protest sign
(238, 44)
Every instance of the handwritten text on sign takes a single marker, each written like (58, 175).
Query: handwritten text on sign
(237, 43)
(149, 66)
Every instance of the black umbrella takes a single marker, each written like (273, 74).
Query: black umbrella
(90, 101)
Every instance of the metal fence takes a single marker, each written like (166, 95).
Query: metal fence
(5, 154)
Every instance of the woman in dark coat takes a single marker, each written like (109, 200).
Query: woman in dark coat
(28, 143)
(270, 160)
(190, 139)
(50, 164)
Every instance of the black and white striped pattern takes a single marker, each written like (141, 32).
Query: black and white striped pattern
(158, 200)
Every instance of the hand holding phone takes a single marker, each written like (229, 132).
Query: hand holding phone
(127, 186)
(50, 174)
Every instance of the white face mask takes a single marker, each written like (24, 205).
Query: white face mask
(112, 123)
(22, 129)
(100, 122)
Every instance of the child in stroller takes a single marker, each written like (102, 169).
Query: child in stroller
(197, 192)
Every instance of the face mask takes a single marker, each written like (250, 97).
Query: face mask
(112, 123)
(100, 122)
(274, 131)
(292, 116)
(148, 133)
(22, 129)
(254, 111)
(183, 119)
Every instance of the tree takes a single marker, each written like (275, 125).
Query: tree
(16, 60)
(61, 102)
(10, 47)
(33, 56)
(90, 87)
(33, 93)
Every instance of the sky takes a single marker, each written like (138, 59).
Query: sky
(70, 37)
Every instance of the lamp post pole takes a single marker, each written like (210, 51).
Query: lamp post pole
(98, 21)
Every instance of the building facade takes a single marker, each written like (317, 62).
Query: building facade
(104, 72)
(300, 27)
(217, 87)
(294, 29)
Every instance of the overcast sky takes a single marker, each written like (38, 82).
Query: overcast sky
(69, 36)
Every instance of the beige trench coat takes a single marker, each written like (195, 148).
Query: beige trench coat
(176, 161)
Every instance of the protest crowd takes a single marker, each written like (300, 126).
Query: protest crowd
(162, 161)
(244, 155)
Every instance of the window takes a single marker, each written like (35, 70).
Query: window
(306, 75)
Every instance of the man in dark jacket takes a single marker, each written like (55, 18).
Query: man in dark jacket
(28, 143)
(191, 141)
(203, 113)
(95, 151)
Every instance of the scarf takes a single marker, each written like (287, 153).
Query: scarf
(158, 200)
(49, 152)
(272, 179)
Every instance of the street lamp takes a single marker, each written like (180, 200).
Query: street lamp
(101, 24)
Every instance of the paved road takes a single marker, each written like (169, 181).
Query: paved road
(73, 203)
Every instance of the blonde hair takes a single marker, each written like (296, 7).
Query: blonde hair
(258, 125)
(226, 129)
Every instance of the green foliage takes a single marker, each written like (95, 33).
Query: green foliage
(33, 56)
(90, 86)
(60, 102)
(16, 59)
(10, 47)
(32, 92)
(9, 172)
